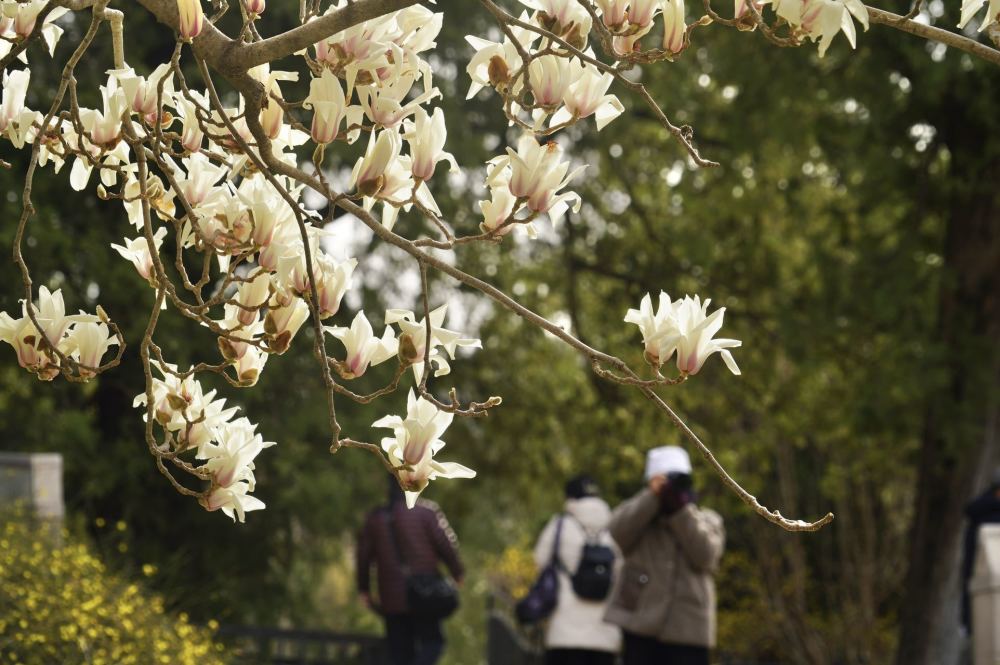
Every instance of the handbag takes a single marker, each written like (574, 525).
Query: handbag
(541, 599)
(427, 594)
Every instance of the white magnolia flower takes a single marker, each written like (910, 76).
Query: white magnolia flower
(368, 175)
(198, 185)
(361, 50)
(250, 365)
(549, 76)
(272, 116)
(821, 20)
(569, 17)
(101, 139)
(655, 326)
(613, 12)
(230, 458)
(384, 104)
(413, 339)
(673, 25)
(160, 198)
(252, 295)
(141, 93)
(15, 119)
(286, 314)
(87, 344)
(137, 251)
(415, 442)
(329, 106)
(51, 315)
(695, 331)
(272, 216)
(497, 210)
(24, 15)
(642, 12)
(244, 330)
(537, 173)
(587, 96)
(192, 18)
(192, 134)
(971, 7)
(182, 407)
(31, 347)
(683, 327)
(426, 136)
(419, 27)
(233, 501)
(332, 281)
(256, 7)
(363, 348)
(23, 336)
(494, 63)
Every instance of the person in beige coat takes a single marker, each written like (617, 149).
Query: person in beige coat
(665, 597)
(576, 633)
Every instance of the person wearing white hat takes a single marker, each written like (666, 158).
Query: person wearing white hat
(665, 598)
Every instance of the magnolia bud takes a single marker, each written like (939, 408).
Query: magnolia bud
(256, 6)
(191, 18)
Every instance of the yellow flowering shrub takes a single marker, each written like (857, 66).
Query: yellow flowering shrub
(60, 604)
(513, 571)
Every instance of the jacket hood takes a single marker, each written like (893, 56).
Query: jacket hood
(591, 511)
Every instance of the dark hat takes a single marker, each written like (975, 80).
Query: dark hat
(581, 486)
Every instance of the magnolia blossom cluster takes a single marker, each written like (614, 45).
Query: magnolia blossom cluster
(18, 18)
(631, 20)
(196, 420)
(82, 338)
(684, 327)
(555, 86)
(819, 20)
(203, 194)
(372, 76)
(415, 441)
(183, 166)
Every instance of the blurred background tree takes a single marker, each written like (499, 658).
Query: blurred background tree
(851, 232)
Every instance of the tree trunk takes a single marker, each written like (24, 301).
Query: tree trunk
(959, 441)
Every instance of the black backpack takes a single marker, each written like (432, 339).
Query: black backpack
(592, 579)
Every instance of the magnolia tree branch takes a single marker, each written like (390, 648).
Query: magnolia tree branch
(535, 319)
(236, 204)
(217, 52)
(304, 36)
(931, 33)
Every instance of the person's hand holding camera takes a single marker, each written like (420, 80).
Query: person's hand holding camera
(674, 491)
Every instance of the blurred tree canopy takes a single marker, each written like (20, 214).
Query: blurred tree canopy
(851, 232)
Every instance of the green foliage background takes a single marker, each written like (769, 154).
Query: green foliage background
(822, 233)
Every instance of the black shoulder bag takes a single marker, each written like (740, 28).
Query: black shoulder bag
(427, 594)
(543, 595)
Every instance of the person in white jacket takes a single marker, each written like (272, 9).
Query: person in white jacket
(577, 633)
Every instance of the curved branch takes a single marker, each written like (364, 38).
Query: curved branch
(953, 39)
(212, 44)
(304, 36)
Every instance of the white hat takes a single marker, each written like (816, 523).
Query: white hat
(667, 459)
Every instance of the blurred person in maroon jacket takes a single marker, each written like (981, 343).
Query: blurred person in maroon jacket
(418, 539)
